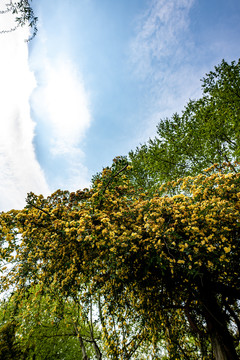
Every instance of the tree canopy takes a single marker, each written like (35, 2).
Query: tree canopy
(207, 132)
(168, 265)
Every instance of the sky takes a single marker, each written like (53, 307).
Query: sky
(96, 80)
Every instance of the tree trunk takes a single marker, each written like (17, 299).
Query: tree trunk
(222, 344)
(221, 340)
(84, 353)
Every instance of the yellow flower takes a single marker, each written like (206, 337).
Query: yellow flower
(180, 261)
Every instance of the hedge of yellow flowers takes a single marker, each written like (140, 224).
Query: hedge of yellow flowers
(143, 256)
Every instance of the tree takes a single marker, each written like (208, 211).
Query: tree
(164, 270)
(24, 15)
(44, 326)
(62, 283)
(207, 132)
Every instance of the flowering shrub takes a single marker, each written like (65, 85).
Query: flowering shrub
(162, 270)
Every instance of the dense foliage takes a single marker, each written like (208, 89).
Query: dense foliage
(162, 271)
(40, 326)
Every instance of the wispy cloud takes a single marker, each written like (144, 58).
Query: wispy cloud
(20, 170)
(161, 36)
(162, 56)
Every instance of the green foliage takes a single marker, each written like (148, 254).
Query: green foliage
(39, 326)
(207, 132)
(24, 15)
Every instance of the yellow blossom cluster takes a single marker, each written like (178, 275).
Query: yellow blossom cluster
(134, 252)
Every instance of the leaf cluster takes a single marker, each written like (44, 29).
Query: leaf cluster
(24, 15)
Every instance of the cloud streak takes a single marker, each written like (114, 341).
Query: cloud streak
(20, 170)
(160, 33)
(162, 57)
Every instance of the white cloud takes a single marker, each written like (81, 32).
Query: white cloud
(62, 101)
(61, 104)
(20, 171)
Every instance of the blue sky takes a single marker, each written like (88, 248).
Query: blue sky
(96, 80)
